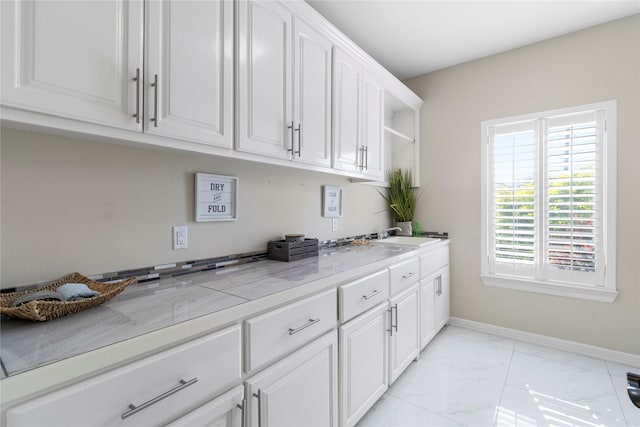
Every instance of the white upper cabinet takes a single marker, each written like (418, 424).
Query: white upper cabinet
(358, 118)
(311, 95)
(269, 81)
(372, 126)
(284, 87)
(264, 78)
(76, 60)
(347, 78)
(189, 71)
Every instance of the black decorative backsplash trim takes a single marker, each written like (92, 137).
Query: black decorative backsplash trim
(168, 270)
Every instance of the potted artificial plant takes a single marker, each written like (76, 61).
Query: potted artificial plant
(402, 199)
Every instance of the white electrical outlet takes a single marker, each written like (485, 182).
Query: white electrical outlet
(180, 237)
(334, 224)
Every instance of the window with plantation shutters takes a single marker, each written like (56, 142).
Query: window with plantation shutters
(548, 185)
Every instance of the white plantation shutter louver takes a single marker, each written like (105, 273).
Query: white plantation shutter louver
(513, 151)
(548, 186)
(573, 193)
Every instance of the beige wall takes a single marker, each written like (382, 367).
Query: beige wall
(597, 64)
(71, 205)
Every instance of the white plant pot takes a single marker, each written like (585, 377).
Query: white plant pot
(407, 229)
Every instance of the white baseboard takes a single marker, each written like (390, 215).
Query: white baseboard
(557, 343)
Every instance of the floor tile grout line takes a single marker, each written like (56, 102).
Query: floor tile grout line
(427, 410)
(620, 405)
(504, 386)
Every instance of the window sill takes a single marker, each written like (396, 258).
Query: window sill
(550, 288)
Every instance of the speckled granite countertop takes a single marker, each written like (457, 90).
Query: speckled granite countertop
(153, 306)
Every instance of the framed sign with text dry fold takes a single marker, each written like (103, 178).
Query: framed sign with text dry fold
(216, 197)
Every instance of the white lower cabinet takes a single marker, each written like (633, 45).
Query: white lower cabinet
(403, 348)
(299, 371)
(224, 411)
(363, 363)
(427, 310)
(301, 390)
(434, 292)
(150, 391)
(442, 297)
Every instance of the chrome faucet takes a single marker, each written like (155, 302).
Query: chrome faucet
(383, 234)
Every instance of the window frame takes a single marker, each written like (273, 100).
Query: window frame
(605, 292)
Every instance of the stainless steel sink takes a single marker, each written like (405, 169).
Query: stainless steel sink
(416, 242)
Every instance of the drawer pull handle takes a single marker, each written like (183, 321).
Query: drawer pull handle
(408, 275)
(306, 325)
(133, 409)
(371, 295)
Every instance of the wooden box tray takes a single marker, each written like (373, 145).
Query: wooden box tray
(283, 250)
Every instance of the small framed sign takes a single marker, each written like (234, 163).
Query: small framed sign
(331, 201)
(216, 197)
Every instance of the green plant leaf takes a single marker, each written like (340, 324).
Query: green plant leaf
(400, 197)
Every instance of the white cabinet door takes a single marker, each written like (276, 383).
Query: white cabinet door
(300, 390)
(312, 95)
(427, 310)
(188, 74)
(373, 126)
(264, 73)
(223, 411)
(404, 340)
(363, 362)
(347, 79)
(442, 296)
(76, 60)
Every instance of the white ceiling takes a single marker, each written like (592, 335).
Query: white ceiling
(413, 37)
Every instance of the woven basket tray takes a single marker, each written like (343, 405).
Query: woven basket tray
(47, 310)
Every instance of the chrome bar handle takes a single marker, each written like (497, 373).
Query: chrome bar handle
(360, 164)
(137, 80)
(299, 139)
(292, 130)
(306, 325)
(371, 295)
(154, 85)
(365, 159)
(242, 405)
(396, 325)
(133, 409)
(392, 326)
(258, 395)
(408, 275)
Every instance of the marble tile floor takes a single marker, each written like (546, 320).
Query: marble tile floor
(468, 378)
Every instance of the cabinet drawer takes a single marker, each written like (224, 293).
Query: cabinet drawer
(434, 260)
(404, 275)
(213, 361)
(278, 332)
(359, 296)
